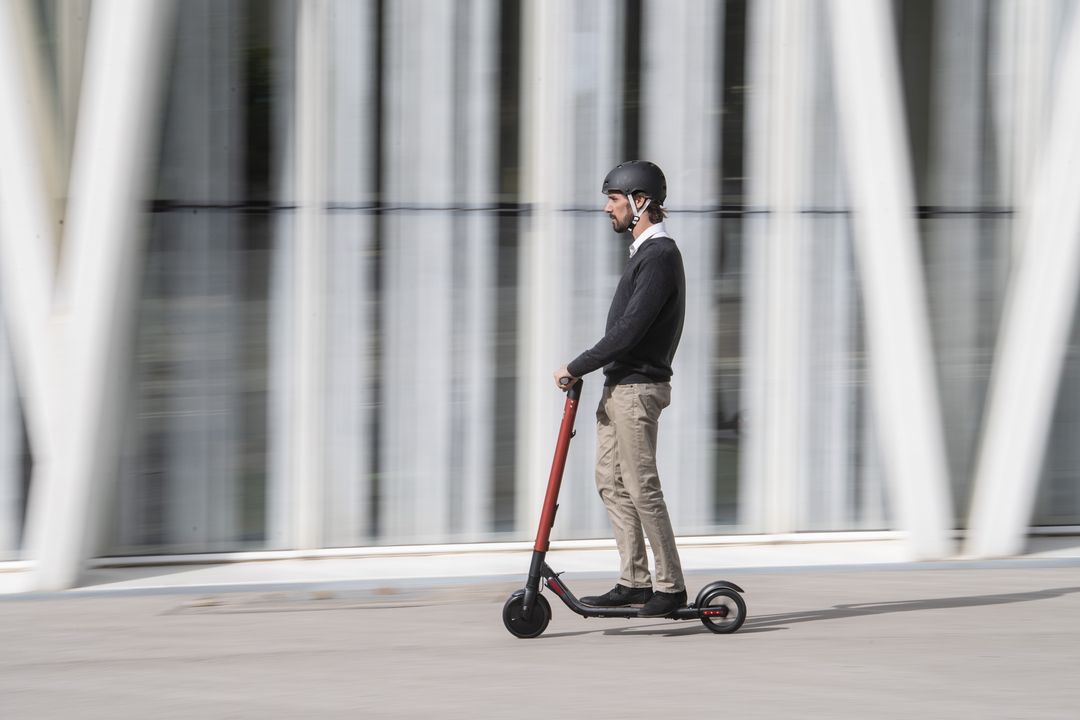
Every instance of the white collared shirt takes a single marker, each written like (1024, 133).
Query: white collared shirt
(657, 230)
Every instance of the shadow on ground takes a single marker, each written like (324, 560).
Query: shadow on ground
(781, 621)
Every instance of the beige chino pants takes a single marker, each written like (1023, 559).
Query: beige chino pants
(629, 485)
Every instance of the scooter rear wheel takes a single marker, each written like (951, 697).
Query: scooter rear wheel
(726, 610)
(518, 625)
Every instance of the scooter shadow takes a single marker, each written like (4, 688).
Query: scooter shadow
(856, 610)
(688, 627)
(781, 621)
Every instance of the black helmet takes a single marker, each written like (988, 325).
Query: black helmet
(637, 176)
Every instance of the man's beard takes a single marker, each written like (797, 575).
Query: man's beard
(620, 226)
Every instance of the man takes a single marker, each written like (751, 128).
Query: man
(644, 325)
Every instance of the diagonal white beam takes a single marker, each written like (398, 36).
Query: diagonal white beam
(903, 387)
(27, 226)
(94, 316)
(1023, 69)
(1036, 320)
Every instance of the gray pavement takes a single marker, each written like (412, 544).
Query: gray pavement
(987, 641)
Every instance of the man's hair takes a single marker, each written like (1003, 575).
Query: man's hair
(655, 211)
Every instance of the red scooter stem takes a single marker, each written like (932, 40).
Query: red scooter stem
(551, 500)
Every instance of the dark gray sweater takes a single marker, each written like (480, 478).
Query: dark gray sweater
(645, 321)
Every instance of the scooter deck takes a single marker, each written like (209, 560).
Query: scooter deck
(551, 579)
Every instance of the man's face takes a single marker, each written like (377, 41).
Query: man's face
(618, 209)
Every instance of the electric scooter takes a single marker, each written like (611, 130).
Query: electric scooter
(719, 605)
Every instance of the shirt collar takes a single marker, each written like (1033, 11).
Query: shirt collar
(657, 230)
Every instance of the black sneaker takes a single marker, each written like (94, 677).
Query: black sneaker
(620, 596)
(663, 604)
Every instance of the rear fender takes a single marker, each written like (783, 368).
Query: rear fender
(713, 586)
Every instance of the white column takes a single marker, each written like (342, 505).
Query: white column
(778, 312)
(350, 315)
(477, 59)
(570, 261)
(417, 259)
(311, 271)
(545, 249)
(1037, 318)
(903, 388)
(118, 110)
(841, 488)
(434, 305)
(680, 130)
(281, 357)
(594, 135)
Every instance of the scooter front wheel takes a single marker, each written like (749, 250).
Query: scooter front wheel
(722, 610)
(520, 626)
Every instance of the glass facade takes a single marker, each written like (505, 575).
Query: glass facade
(366, 249)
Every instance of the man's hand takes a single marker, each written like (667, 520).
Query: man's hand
(563, 379)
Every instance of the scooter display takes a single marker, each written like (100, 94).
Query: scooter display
(526, 613)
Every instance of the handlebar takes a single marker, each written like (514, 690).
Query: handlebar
(574, 392)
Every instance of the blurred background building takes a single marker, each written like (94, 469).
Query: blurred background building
(369, 230)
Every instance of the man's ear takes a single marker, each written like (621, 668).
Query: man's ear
(639, 200)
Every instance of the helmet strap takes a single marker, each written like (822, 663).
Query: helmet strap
(636, 211)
